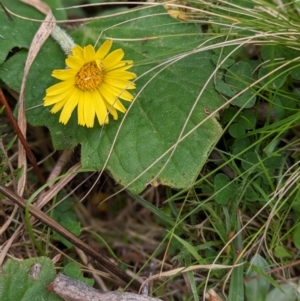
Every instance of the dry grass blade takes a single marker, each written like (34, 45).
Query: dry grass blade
(8, 244)
(211, 295)
(191, 268)
(45, 198)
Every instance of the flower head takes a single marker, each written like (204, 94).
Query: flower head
(94, 82)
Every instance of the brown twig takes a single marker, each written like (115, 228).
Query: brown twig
(18, 131)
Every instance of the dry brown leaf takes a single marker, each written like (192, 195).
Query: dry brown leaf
(39, 5)
(211, 295)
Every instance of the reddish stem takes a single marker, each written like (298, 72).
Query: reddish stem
(17, 129)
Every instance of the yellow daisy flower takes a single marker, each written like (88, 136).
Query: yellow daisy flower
(94, 82)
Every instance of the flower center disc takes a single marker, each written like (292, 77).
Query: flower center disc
(89, 77)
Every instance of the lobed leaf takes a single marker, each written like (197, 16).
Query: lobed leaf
(143, 146)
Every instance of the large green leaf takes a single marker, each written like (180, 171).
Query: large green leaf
(285, 292)
(145, 147)
(258, 288)
(16, 32)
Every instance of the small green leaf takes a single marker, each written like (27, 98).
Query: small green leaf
(73, 227)
(224, 189)
(239, 76)
(247, 120)
(285, 292)
(72, 270)
(245, 100)
(64, 210)
(240, 145)
(87, 281)
(27, 280)
(281, 252)
(279, 106)
(295, 73)
(274, 81)
(250, 161)
(217, 59)
(223, 88)
(258, 288)
(296, 207)
(296, 236)
(270, 52)
(274, 57)
(236, 130)
(229, 114)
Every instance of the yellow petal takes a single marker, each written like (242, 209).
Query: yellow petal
(115, 92)
(116, 105)
(60, 87)
(122, 65)
(122, 84)
(51, 100)
(113, 58)
(100, 107)
(80, 109)
(125, 75)
(64, 74)
(112, 111)
(125, 95)
(103, 50)
(77, 51)
(111, 98)
(69, 107)
(74, 63)
(88, 110)
(58, 106)
(89, 53)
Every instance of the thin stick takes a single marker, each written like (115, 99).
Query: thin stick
(18, 131)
